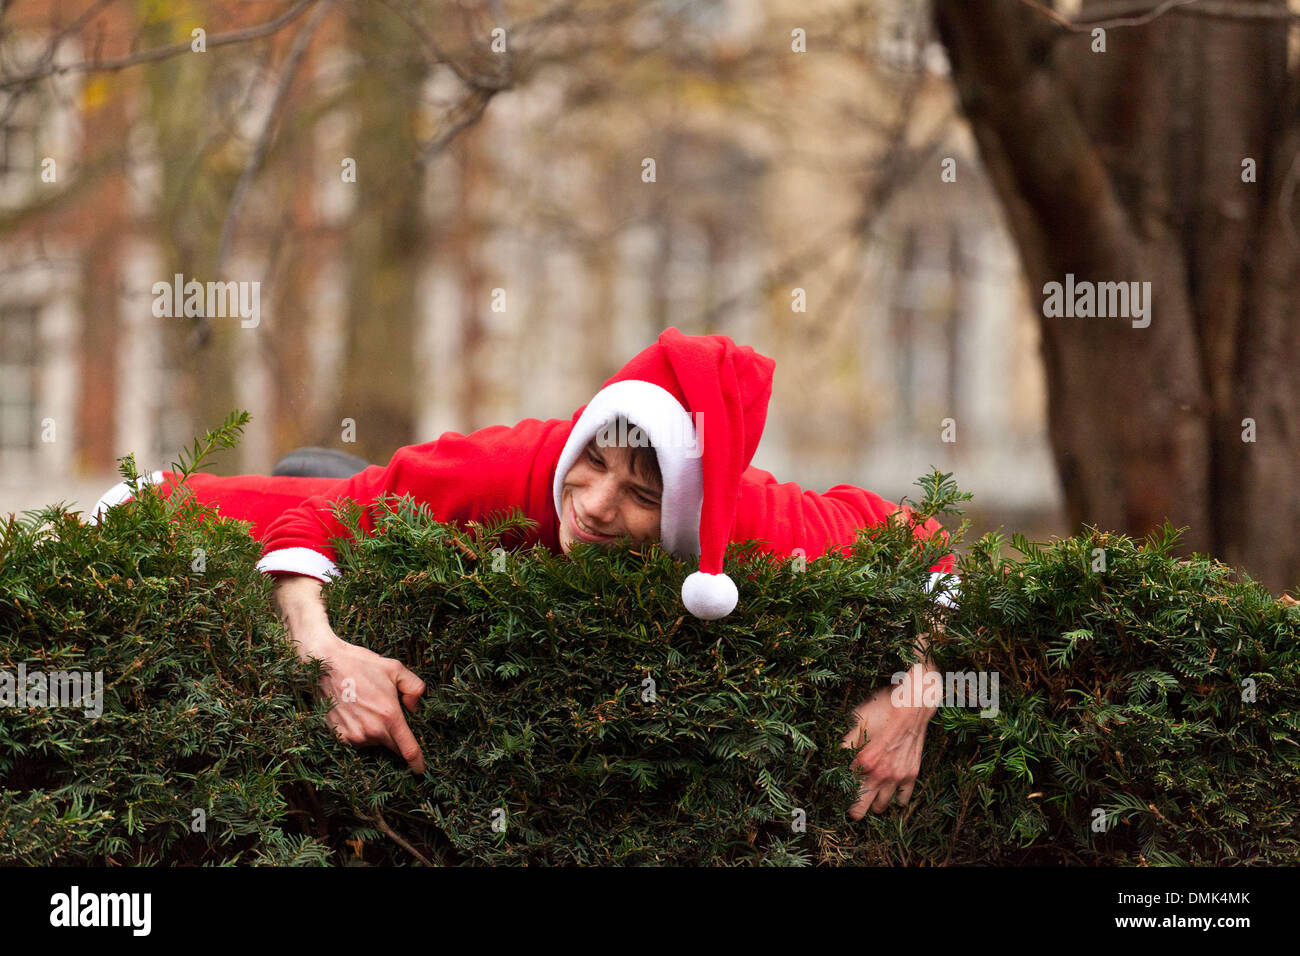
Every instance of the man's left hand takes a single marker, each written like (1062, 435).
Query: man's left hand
(893, 736)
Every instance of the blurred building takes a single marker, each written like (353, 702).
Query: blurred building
(547, 259)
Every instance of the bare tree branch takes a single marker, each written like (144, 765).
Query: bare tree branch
(481, 90)
(493, 84)
(899, 163)
(159, 53)
(1210, 9)
(379, 821)
(469, 110)
(255, 160)
(47, 57)
(1136, 13)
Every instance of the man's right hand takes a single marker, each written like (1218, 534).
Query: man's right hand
(365, 687)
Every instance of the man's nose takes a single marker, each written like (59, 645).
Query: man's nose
(599, 501)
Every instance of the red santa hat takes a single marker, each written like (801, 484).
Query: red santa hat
(702, 402)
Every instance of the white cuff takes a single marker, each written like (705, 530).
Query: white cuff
(299, 561)
(119, 493)
(948, 594)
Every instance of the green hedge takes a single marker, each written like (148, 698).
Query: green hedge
(1125, 697)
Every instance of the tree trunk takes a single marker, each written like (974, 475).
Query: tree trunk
(385, 246)
(1126, 165)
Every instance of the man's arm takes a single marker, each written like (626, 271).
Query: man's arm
(364, 686)
(785, 516)
(889, 737)
(460, 478)
(298, 540)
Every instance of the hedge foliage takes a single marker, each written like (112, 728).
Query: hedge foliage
(576, 714)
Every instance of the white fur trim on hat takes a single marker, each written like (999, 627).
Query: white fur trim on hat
(669, 428)
(709, 596)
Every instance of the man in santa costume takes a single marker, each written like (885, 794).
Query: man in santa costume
(701, 402)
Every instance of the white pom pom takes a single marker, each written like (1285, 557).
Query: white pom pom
(709, 596)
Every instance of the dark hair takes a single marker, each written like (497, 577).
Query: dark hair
(645, 460)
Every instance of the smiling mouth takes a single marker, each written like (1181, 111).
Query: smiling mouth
(582, 531)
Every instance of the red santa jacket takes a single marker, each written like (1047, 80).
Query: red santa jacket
(702, 399)
(464, 478)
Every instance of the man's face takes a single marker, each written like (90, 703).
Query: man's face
(609, 499)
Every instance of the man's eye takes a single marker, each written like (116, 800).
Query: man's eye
(591, 456)
(647, 502)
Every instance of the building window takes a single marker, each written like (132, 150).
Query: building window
(20, 362)
(19, 164)
(37, 120)
(17, 138)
